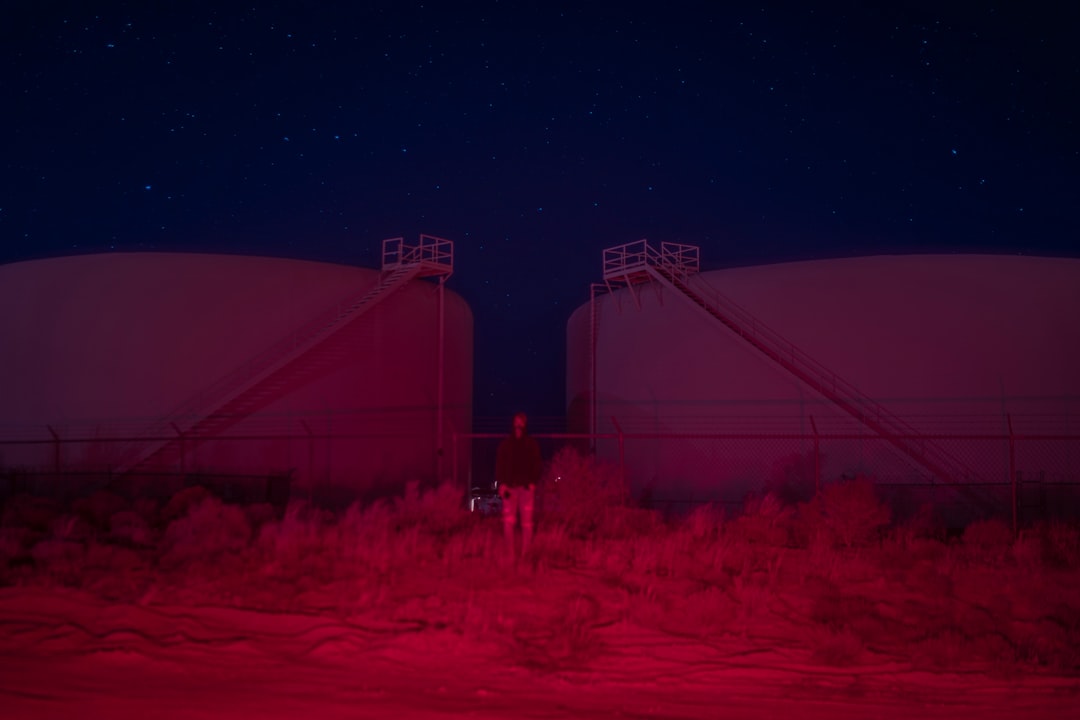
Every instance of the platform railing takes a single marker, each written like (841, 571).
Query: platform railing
(622, 261)
(434, 254)
(684, 260)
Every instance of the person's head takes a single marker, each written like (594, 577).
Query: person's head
(521, 422)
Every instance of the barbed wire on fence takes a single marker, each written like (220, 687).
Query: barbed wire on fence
(1033, 472)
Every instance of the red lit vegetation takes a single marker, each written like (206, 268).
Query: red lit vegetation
(824, 586)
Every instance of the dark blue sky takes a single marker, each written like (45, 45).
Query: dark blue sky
(536, 134)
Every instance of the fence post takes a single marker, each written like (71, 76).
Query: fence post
(622, 447)
(180, 434)
(310, 480)
(454, 461)
(1014, 479)
(817, 458)
(56, 449)
(329, 445)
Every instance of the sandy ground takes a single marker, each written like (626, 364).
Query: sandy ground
(204, 610)
(66, 653)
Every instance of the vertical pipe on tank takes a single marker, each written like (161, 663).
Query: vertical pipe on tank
(180, 435)
(454, 460)
(593, 405)
(1013, 480)
(56, 448)
(622, 448)
(310, 459)
(440, 381)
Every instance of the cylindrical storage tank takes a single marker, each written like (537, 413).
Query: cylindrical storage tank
(947, 344)
(105, 356)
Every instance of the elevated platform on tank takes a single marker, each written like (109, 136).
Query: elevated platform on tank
(632, 263)
(629, 276)
(431, 256)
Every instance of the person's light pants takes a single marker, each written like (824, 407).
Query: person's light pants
(518, 501)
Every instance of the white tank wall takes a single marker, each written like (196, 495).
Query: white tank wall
(950, 343)
(107, 344)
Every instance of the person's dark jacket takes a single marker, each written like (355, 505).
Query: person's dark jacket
(518, 462)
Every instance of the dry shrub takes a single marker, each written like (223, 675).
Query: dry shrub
(627, 522)
(209, 530)
(117, 573)
(1066, 618)
(61, 555)
(413, 531)
(99, 508)
(60, 560)
(847, 513)
(13, 544)
(704, 522)
(837, 648)
(794, 478)
(475, 543)
(676, 554)
(1028, 552)
(554, 547)
(149, 510)
(258, 514)
(660, 556)
(698, 613)
(924, 524)
(987, 540)
(560, 639)
(1060, 544)
(765, 520)
(303, 532)
(819, 560)
(899, 555)
(920, 538)
(362, 528)
(755, 586)
(115, 559)
(833, 608)
(1048, 545)
(943, 649)
(420, 527)
(1050, 642)
(181, 503)
(578, 488)
(71, 528)
(129, 528)
(30, 512)
(439, 510)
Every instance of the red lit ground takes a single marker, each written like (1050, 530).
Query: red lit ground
(401, 612)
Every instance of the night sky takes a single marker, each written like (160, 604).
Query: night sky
(536, 134)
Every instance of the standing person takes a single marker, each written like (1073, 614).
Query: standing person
(517, 472)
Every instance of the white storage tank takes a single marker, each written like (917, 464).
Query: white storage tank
(143, 363)
(942, 344)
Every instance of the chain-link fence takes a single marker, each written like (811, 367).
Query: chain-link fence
(1018, 478)
(331, 457)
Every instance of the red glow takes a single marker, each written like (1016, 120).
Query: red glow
(409, 611)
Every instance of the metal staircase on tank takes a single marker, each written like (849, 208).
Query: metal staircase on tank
(303, 354)
(676, 266)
